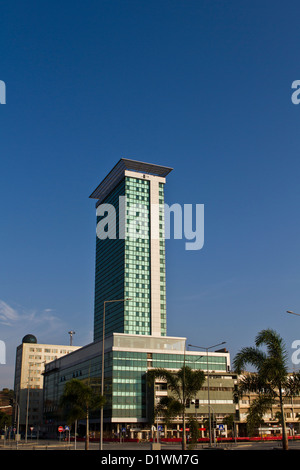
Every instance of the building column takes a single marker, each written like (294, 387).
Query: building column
(155, 259)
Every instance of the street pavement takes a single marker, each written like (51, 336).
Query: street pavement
(143, 446)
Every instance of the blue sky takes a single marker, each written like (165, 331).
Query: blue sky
(201, 86)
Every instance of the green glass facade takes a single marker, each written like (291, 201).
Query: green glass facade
(129, 385)
(123, 266)
(176, 361)
(137, 258)
(125, 372)
(109, 275)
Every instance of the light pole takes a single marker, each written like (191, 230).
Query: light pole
(18, 420)
(71, 333)
(183, 398)
(293, 313)
(210, 408)
(102, 369)
(208, 396)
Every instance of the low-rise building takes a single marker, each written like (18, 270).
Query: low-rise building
(31, 358)
(271, 420)
(129, 400)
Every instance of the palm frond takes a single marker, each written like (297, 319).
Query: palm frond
(184, 384)
(254, 383)
(274, 343)
(168, 407)
(248, 355)
(292, 384)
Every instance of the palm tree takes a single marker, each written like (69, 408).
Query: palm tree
(168, 407)
(194, 431)
(184, 385)
(5, 420)
(256, 412)
(229, 422)
(79, 399)
(271, 379)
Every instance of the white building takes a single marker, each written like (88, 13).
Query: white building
(31, 358)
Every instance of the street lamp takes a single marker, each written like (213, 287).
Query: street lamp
(207, 349)
(213, 411)
(71, 333)
(102, 372)
(293, 313)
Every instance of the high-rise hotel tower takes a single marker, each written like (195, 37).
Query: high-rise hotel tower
(130, 263)
(130, 257)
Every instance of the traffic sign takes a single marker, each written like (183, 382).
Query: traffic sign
(60, 429)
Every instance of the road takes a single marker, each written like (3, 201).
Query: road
(144, 446)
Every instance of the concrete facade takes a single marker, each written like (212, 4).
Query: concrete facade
(31, 358)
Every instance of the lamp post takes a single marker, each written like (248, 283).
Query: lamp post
(27, 409)
(208, 396)
(18, 419)
(102, 372)
(210, 408)
(183, 399)
(71, 333)
(293, 313)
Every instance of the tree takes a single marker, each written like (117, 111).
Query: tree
(229, 422)
(168, 407)
(78, 400)
(194, 431)
(271, 379)
(256, 412)
(183, 384)
(5, 420)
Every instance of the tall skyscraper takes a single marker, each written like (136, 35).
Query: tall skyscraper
(130, 263)
(130, 255)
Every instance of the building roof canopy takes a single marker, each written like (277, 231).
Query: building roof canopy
(115, 175)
